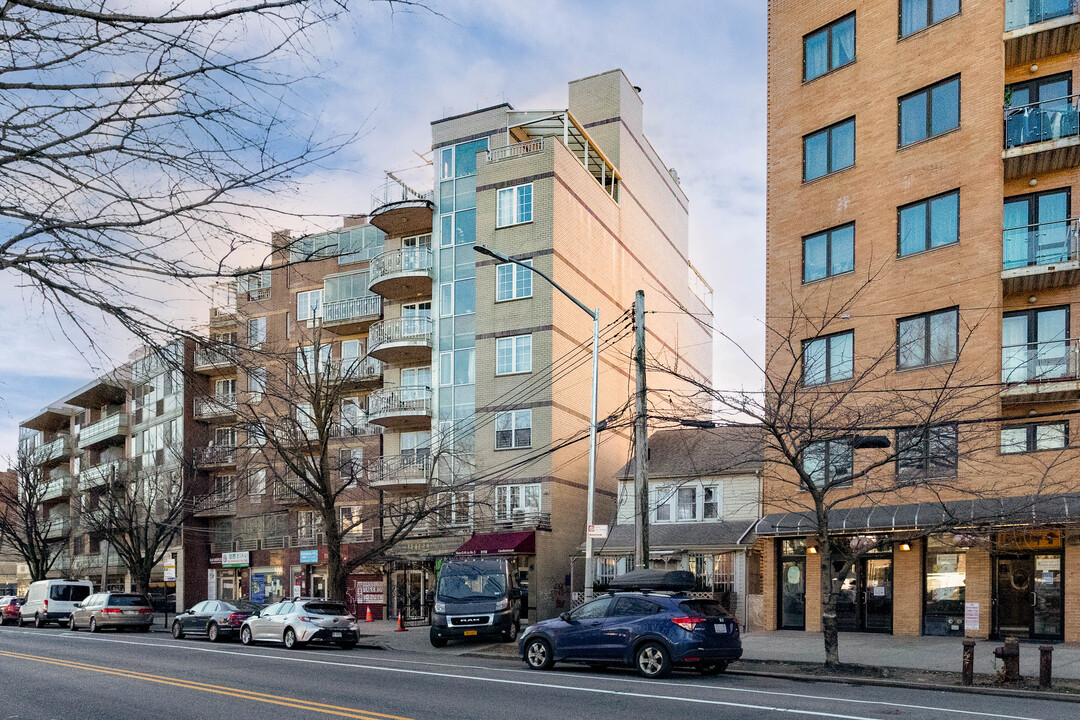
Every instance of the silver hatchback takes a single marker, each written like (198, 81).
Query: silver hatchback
(300, 621)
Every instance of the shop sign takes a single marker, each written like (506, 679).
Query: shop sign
(215, 559)
(971, 616)
(371, 593)
(309, 557)
(170, 570)
(258, 588)
(427, 547)
(236, 559)
(211, 584)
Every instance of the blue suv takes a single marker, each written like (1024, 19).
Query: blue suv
(653, 627)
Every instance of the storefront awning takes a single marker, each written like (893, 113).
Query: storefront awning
(1020, 510)
(514, 543)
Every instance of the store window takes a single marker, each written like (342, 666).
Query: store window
(946, 574)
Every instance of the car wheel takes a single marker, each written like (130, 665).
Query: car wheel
(245, 635)
(511, 634)
(93, 625)
(437, 641)
(39, 622)
(177, 631)
(652, 660)
(213, 633)
(290, 639)
(71, 624)
(538, 655)
(712, 668)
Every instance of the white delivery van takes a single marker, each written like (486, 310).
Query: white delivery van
(51, 601)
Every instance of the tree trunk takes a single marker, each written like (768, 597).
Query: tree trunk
(828, 604)
(338, 575)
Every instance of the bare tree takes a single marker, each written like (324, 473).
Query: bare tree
(24, 524)
(845, 433)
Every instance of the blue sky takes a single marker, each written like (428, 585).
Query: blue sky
(701, 67)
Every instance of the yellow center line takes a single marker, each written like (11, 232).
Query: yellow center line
(216, 689)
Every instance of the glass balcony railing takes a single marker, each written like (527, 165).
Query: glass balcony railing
(1040, 362)
(1021, 13)
(1038, 122)
(1041, 244)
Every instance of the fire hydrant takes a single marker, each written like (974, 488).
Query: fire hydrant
(1009, 653)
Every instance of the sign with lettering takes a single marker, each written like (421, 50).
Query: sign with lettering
(211, 584)
(309, 557)
(170, 570)
(598, 532)
(971, 616)
(236, 559)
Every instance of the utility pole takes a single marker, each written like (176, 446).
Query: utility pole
(641, 440)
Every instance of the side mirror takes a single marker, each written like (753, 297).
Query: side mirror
(565, 617)
(254, 614)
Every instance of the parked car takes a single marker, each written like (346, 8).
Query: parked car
(216, 619)
(652, 628)
(51, 601)
(116, 610)
(302, 620)
(9, 609)
(476, 599)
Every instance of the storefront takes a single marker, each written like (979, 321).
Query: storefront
(412, 574)
(519, 548)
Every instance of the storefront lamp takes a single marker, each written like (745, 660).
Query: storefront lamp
(812, 550)
(905, 546)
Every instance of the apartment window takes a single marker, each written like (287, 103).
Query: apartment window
(306, 362)
(515, 205)
(225, 388)
(829, 359)
(928, 224)
(513, 355)
(514, 501)
(309, 304)
(256, 286)
(829, 48)
(917, 14)
(454, 508)
(256, 331)
(512, 281)
(711, 503)
(359, 243)
(225, 437)
(256, 383)
(1037, 230)
(662, 500)
(927, 339)
(829, 464)
(686, 503)
(351, 465)
(925, 453)
(1035, 345)
(929, 112)
(305, 421)
(1033, 437)
(257, 486)
(513, 429)
(829, 150)
(308, 524)
(225, 487)
(828, 253)
(350, 519)
(690, 502)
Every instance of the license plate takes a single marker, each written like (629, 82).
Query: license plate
(337, 634)
(470, 632)
(131, 612)
(720, 628)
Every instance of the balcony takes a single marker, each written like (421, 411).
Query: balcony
(402, 274)
(219, 360)
(401, 341)
(284, 493)
(1041, 137)
(401, 471)
(100, 474)
(57, 528)
(1036, 29)
(219, 504)
(1041, 372)
(346, 430)
(215, 456)
(360, 372)
(110, 431)
(1040, 257)
(54, 453)
(355, 315)
(400, 407)
(56, 487)
(215, 407)
(399, 211)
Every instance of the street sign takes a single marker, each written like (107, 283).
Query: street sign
(170, 570)
(598, 532)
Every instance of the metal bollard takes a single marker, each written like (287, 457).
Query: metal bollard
(969, 662)
(1046, 653)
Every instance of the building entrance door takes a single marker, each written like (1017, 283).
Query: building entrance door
(409, 588)
(1029, 596)
(793, 594)
(866, 596)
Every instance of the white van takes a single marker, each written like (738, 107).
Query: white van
(51, 601)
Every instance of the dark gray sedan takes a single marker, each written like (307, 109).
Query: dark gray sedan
(216, 619)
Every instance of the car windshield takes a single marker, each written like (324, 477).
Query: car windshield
(243, 606)
(326, 608)
(69, 593)
(472, 583)
(703, 608)
(128, 601)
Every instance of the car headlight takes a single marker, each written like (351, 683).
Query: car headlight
(440, 607)
(353, 626)
(502, 604)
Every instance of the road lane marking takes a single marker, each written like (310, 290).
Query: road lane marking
(215, 689)
(718, 688)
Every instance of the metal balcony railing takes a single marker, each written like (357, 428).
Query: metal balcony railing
(393, 190)
(349, 429)
(1040, 244)
(215, 455)
(113, 426)
(407, 400)
(209, 357)
(360, 369)
(352, 309)
(401, 469)
(1021, 13)
(1037, 122)
(528, 147)
(215, 405)
(1040, 362)
(221, 502)
(398, 330)
(409, 260)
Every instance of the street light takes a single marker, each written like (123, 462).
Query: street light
(595, 315)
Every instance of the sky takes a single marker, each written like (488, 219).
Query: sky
(385, 76)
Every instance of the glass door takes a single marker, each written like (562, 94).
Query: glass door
(877, 594)
(1046, 597)
(848, 601)
(1014, 594)
(1035, 345)
(1037, 229)
(793, 594)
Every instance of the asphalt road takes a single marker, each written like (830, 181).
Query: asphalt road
(54, 674)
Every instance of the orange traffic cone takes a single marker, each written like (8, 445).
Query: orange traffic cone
(368, 617)
(400, 623)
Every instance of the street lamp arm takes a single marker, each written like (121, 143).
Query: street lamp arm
(485, 250)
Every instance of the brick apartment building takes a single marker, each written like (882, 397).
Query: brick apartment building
(933, 148)
(450, 352)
